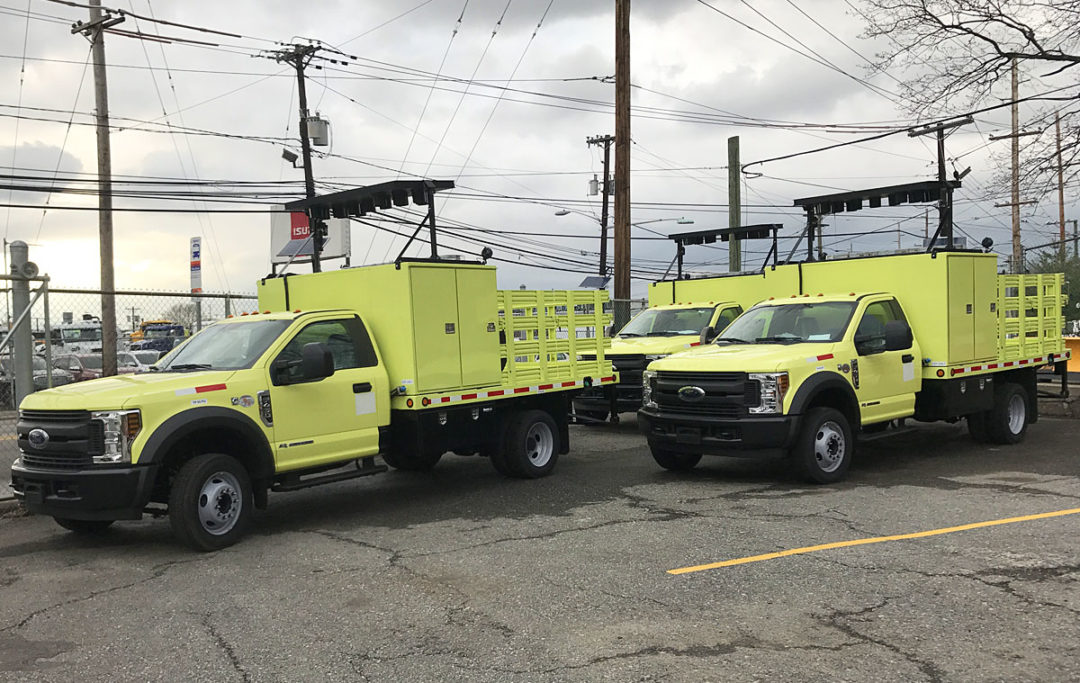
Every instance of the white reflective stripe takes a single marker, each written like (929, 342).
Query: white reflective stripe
(185, 392)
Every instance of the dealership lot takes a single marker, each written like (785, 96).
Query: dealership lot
(462, 574)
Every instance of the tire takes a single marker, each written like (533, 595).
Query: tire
(824, 447)
(676, 462)
(88, 527)
(210, 502)
(412, 462)
(976, 424)
(531, 447)
(1007, 421)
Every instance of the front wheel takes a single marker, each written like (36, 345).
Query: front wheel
(823, 450)
(84, 526)
(210, 502)
(531, 447)
(676, 462)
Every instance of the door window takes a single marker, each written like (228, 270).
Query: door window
(347, 340)
(870, 335)
(725, 318)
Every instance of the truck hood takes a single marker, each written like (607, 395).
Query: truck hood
(742, 357)
(113, 393)
(650, 346)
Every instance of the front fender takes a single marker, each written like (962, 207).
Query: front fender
(185, 423)
(820, 382)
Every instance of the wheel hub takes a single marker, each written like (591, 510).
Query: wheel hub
(219, 503)
(829, 447)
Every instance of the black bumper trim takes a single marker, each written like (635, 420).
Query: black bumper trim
(758, 437)
(91, 493)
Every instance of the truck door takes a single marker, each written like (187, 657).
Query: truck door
(887, 380)
(335, 418)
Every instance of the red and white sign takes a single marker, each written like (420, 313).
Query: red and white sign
(298, 226)
(196, 265)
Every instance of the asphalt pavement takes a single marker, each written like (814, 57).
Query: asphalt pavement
(460, 574)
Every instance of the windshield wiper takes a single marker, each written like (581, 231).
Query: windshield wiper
(729, 340)
(629, 334)
(190, 366)
(779, 339)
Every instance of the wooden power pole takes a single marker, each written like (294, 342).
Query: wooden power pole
(1061, 186)
(734, 203)
(622, 163)
(605, 187)
(95, 32)
(1017, 249)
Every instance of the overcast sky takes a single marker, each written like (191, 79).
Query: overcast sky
(529, 144)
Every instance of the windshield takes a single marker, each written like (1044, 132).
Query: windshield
(82, 334)
(790, 323)
(230, 346)
(654, 322)
(161, 333)
(92, 362)
(147, 357)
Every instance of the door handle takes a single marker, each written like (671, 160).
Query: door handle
(907, 358)
(361, 387)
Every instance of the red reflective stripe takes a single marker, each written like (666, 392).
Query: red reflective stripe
(976, 368)
(1023, 362)
(209, 387)
(444, 399)
(498, 392)
(608, 379)
(827, 356)
(992, 366)
(468, 397)
(521, 390)
(569, 384)
(697, 343)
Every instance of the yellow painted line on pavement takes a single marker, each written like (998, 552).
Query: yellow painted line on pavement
(868, 541)
(8, 438)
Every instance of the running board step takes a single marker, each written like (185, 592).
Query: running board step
(365, 467)
(887, 434)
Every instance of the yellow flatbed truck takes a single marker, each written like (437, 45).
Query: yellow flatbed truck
(404, 361)
(860, 344)
(655, 333)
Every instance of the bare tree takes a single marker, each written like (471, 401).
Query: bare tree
(957, 54)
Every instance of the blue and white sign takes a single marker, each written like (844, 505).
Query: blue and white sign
(196, 265)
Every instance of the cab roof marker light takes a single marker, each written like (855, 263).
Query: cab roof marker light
(296, 311)
(266, 312)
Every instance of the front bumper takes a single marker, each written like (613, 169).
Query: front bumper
(88, 493)
(752, 437)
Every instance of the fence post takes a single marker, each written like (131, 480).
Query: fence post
(23, 349)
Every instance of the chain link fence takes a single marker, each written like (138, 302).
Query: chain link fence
(149, 324)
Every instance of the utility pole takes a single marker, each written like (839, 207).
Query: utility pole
(1017, 259)
(606, 141)
(94, 31)
(1075, 240)
(622, 163)
(734, 192)
(299, 56)
(1017, 249)
(1061, 185)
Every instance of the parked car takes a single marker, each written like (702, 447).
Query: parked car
(137, 362)
(60, 377)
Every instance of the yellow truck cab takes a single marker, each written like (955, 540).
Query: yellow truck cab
(858, 344)
(653, 334)
(403, 361)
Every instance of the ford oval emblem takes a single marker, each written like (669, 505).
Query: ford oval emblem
(38, 438)
(691, 394)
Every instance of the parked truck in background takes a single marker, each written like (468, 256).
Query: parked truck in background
(858, 345)
(652, 334)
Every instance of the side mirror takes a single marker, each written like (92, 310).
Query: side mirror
(707, 334)
(316, 361)
(898, 335)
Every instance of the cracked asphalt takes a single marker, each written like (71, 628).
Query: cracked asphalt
(460, 574)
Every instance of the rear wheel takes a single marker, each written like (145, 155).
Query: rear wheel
(676, 462)
(1007, 421)
(84, 526)
(824, 448)
(210, 502)
(531, 447)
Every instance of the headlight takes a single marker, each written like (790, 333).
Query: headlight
(773, 388)
(120, 429)
(656, 357)
(647, 379)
